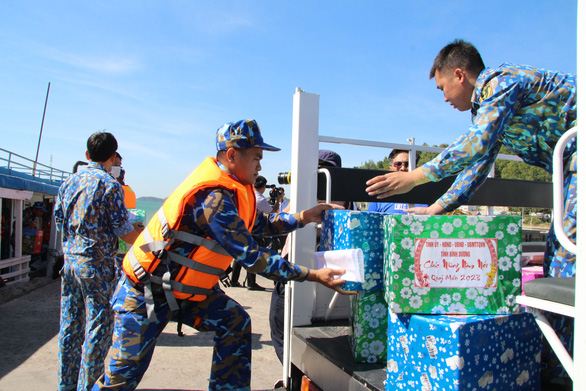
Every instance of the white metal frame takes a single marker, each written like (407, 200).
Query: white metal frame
(579, 310)
(535, 305)
(580, 298)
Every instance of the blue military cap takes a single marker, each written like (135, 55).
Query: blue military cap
(241, 134)
(39, 205)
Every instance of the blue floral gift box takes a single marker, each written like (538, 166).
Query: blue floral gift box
(463, 352)
(346, 229)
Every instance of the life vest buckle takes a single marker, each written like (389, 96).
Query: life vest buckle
(165, 231)
(141, 274)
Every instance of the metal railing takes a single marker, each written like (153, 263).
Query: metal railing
(17, 164)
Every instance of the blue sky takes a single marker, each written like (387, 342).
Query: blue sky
(162, 76)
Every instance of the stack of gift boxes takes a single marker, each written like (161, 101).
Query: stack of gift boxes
(342, 230)
(447, 286)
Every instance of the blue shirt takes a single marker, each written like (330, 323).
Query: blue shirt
(519, 106)
(91, 215)
(396, 208)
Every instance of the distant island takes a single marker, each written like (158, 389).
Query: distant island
(150, 199)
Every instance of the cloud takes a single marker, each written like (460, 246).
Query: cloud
(81, 59)
(92, 62)
(218, 18)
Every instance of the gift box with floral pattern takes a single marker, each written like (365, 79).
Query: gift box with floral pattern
(347, 229)
(463, 352)
(368, 327)
(452, 264)
(138, 215)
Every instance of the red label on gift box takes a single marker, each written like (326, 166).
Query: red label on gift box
(456, 263)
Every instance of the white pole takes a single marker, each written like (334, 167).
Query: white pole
(580, 300)
(304, 151)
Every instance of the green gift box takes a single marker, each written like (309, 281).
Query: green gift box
(135, 216)
(452, 264)
(368, 327)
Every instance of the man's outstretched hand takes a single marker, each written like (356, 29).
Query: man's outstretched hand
(327, 277)
(313, 215)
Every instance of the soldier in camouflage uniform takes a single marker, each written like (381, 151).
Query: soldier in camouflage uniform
(90, 213)
(214, 213)
(519, 106)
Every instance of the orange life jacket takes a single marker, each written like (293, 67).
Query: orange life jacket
(129, 197)
(201, 271)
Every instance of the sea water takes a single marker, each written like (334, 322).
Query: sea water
(150, 207)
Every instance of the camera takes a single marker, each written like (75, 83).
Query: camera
(275, 193)
(284, 178)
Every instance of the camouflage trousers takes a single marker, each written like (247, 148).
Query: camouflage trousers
(559, 262)
(134, 338)
(85, 326)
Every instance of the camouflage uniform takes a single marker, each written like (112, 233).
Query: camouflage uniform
(211, 212)
(527, 110)
(90, 213)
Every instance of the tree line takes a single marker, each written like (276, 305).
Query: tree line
(505, 169)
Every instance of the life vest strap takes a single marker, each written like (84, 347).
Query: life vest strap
(190, 263)
(167, 288)
(153, 247)
(146, 234)
(187, 237)
(163, 221)
(168, 285)
(199, 241)
(145, 278)
(182, 288)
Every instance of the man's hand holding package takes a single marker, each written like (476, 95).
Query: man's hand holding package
(327, 277)
(313, 215)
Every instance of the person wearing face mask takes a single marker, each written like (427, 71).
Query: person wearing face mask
(118, 173)
(91, 216)
(398, 162)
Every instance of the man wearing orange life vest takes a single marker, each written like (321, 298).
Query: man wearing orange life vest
(172, 270)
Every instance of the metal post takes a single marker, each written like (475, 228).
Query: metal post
(304, 151)
(580, 299)
(41, 131)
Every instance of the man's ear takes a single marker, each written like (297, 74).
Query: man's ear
(460, 74)
(87, 155)
(230, 155)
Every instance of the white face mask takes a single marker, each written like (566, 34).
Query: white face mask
(115, 171)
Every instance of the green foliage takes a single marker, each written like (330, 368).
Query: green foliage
(371, 165)
(424, 157)
(518, 170)
(503, 168)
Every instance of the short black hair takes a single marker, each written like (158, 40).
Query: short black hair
(458, 54)
(260, 182)
(397, 151)
(101, 146)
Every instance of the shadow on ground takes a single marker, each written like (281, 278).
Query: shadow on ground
(27, 327)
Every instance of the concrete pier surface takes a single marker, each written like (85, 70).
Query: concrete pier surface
(29, 323)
